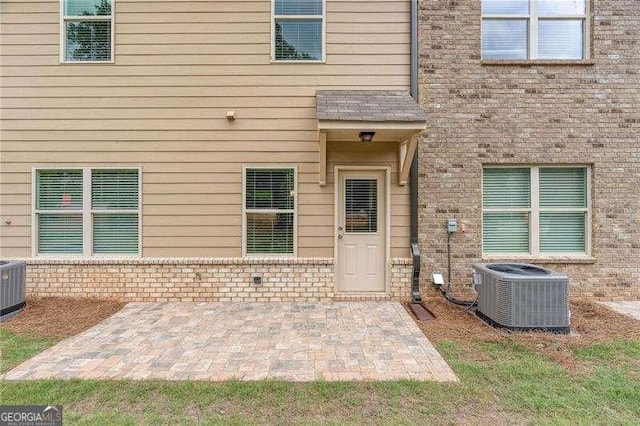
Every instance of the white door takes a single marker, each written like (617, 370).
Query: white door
(361, 231)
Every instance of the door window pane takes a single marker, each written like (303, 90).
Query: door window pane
(560, 39)
(504, 39)
(361, 205)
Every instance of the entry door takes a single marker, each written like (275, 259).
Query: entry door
(361, 231)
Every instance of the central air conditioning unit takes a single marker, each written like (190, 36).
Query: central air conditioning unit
(520, 296)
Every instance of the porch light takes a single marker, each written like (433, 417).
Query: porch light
(366, 137)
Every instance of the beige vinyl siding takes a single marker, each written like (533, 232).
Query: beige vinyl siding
(179, 66)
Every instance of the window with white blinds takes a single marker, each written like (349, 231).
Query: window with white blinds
(86, 30)
(361, 206)
(269, 211)
(87, 211)
(114, 211)
(535, 210)
(534, 29)
(298, 30)
(59, 208)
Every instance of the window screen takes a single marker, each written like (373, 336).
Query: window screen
(269, 209)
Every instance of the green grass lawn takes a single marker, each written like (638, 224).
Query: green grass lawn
(17, 348)
(500, 382)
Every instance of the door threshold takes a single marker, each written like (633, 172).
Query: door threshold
(362, 297)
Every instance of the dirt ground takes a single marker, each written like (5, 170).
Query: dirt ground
(60, 317)
(590, 323)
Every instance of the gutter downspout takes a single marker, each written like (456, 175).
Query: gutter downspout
(413, 176)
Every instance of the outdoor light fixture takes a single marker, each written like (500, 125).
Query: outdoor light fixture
(366, 136)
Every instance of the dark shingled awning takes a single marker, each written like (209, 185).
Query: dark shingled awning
(368, 105)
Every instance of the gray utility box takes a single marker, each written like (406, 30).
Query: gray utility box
(13, 275)
(521, 296)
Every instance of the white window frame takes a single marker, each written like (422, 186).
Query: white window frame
(245, 210)
(534, 213)
(322, 17)
(87, 213)
(74, 18)
(532, 19)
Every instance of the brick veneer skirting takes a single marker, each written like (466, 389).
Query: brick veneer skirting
(198, 279)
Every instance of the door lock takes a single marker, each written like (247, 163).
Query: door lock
(340, 236)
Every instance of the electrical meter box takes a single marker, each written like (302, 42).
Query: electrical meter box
(452, 225)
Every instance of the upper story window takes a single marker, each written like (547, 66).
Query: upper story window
(534, 29)
(86, 31)
(87, 212)
(536, 211)
(297, 30)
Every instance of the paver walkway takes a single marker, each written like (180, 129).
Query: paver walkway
(247, 341)
(629, 308)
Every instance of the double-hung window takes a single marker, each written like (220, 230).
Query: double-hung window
(86, 33)
(537, 211)
(87, 212)
(534, 29)
(269, 211)
(297, 30)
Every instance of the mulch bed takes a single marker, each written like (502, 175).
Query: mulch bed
(60, 317)
(590, 323)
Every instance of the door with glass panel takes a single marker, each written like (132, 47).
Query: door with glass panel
(361, 231)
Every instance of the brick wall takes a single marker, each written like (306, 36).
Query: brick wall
(532, 114)
(198, 279)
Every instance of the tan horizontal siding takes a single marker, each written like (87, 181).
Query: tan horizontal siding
(179, 67)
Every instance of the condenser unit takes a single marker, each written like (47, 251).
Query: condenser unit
(12, 287)
(520, 296)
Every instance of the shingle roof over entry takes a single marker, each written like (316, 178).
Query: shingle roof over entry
(367, 105)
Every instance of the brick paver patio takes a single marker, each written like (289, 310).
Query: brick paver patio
(247, 341)
(629, 308)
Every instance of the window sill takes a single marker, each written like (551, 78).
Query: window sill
(87, 62)
(274, 61)
(534, 62)
(541, 260)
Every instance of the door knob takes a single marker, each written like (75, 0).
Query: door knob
(340, 228)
